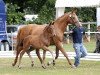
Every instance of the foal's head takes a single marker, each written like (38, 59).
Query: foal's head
(49, 30)
(73, 18)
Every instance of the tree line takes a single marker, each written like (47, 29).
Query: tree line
(45, 9)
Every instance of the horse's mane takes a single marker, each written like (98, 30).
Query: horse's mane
(47, 26)
(60, 18)
(48, 29)
(44, 30)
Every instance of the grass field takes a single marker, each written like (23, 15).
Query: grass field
(61, 67)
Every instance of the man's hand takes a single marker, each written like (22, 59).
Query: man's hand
(70, 32)
(87, 38)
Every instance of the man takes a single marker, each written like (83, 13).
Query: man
(80, 50)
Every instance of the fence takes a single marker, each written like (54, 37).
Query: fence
(71, 55)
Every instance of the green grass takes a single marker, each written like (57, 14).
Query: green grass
(61, 68)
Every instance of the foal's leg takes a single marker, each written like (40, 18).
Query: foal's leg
(38, 54)
(17, 53)
(46, 49)
(28, 52)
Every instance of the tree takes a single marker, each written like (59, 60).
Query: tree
(14, 17)
(47, 13)
(44, 8)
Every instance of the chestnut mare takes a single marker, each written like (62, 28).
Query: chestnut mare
(39, 42)
(60, 26)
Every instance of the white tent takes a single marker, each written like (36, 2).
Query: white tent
(61, 4)
(77, 3)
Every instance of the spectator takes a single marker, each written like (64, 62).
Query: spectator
(97, 49)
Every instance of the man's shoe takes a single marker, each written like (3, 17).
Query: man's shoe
(76, 65)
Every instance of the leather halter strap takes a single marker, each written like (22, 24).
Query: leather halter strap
(73, 20)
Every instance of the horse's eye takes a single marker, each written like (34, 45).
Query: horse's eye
(70, 16)
(73, 17)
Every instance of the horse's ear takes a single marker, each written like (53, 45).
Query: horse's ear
(51, 23)
(74, 10)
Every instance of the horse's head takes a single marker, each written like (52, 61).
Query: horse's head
(50, 30)
(73, 18)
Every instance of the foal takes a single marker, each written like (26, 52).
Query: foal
(39, 42)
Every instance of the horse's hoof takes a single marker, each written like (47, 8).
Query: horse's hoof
(73, 66)
(48, 63)
(53, 62)
(32, 65)
(44, 67)
(19, 67)
(13, 64)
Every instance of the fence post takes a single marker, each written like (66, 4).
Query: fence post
(89, 31)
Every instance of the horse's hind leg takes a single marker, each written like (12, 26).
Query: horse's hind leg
(17, 53)
(28, 52)
(21, 54)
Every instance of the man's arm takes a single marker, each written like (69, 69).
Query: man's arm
(70, 32)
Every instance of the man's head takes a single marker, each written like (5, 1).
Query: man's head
(98, 28)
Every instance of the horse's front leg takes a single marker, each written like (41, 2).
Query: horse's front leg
(43, 64)
(60, 46)
(57, 53)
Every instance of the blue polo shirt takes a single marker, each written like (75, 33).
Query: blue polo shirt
(78, 34)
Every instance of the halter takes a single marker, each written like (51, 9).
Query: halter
(72, 19)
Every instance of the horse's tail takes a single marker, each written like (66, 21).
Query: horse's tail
(18, 41)
(22, 33)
